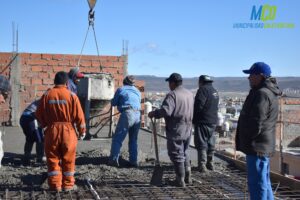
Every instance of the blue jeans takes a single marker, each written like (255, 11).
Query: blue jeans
(259, 183)
(129, 122)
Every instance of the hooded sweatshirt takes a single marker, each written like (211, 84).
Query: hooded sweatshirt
(257, 122)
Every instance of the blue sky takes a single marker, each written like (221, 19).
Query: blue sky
(190, 37)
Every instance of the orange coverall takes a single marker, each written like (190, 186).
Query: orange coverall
(58, 110)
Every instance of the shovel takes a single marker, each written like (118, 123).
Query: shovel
(157, 175)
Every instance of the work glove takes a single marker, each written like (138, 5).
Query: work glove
(82, 136)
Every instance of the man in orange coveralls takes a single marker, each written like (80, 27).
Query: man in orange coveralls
(58, 110)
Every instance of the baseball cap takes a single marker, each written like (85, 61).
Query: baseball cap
(205, 78)
(174, 77)
(259, 68)
(129, 80)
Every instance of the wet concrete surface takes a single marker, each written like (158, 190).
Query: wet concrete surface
(91, 160)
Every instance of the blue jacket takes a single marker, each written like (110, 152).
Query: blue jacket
(127, 97)
(72, 86)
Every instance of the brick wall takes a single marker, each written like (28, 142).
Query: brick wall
(37, 71)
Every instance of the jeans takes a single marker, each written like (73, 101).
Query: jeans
(259, 183)
(129, 122)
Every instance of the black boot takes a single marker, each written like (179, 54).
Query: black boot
(39, 148)
(202, 161)
(210, 161)
(188, 172)
(180, 174)
(27, 152)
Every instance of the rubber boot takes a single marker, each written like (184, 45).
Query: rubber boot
(202, 161)
(27, 152)
(188, 172)
(39, 147)
(210, 161)
(180, 174)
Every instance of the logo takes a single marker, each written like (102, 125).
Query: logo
(263, 16)
(264, 13)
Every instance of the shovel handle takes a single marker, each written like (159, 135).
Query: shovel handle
(155, 140)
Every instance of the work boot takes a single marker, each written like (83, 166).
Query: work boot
(71, 189)
(210, 161)
(202, 161)
(39, 148)
(188, 175)
(113, 163)
(202, 168)
(188, 170)
(180, 174)
(27, 153)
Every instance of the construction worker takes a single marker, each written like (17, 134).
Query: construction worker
(33, 133)
(205, 120)
(4, 89)
(177, 109)
(58, 110)
(74, 78)
(128, 101)
(255, 135)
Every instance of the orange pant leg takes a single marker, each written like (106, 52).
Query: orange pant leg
(69, 145)
(52, 151)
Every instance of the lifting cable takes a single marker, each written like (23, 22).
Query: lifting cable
(91, 18)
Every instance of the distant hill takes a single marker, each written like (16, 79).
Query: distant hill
(223, 84)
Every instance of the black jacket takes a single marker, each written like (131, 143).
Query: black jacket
(206, 105)
(257, 122)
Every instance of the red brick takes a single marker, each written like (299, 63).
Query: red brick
(90, 57)
(25, 56)
(42, 87)
(48, 81)
(64, 63)
(25, 81)
(119, 64)
(58, 68)
(36, 62)
(71, 57)
(96, 63)
(52, 62)
(58, 56)
(47, 56)
(73, 63)
(37, 68)
(36, 56)
(36, 81)
(85, 64)
(48, 69)
(51, 76)
(43, 75)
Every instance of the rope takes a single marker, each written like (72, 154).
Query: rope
(83, 45)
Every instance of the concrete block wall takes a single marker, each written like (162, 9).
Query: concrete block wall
(31, 74)
(290, 126)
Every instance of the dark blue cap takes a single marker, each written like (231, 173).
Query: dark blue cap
(174, 77)
(259, 68)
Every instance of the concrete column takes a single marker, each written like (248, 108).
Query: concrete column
(15, 81)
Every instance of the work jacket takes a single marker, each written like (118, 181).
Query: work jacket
(127, 97)
(60, 105)
(206, 105)
(257, 122)
(177, 109)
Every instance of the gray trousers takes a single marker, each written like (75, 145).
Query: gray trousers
(177, 151)
(205, 140)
